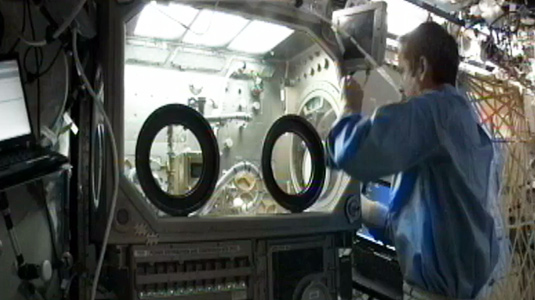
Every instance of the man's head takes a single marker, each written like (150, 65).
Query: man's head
(429, 58)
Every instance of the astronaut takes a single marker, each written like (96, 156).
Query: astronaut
(439, 218)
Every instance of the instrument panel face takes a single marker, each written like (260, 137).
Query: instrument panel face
(239, 269)
(240, 84)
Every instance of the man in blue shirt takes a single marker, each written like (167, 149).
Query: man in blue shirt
(439, 218)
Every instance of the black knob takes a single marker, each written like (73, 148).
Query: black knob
(28, 272)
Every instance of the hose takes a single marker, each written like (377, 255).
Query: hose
(225, 179)
(58, 31)
(69, 19)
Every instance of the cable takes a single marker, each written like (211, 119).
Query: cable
(47, 69)
(57, 120)
(38, 55)
(170, 17)
(16, 43)
(69, 19)
(30, 77)
(115, 159)
(31, 43)
(58, 32)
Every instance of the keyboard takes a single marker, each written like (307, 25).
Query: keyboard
(25, 165)
(14, 158)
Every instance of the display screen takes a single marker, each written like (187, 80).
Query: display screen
(359, 26)
(290, 267)
(379, 192)
(14, 119)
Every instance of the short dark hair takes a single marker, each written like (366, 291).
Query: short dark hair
(433, 42)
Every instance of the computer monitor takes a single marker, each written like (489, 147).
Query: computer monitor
(14, 119)
(367, 25)
(378, 191)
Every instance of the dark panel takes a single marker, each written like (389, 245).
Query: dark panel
(339, 4)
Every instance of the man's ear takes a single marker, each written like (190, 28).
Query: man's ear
(423, 66)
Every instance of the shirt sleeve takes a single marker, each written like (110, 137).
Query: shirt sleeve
(395, 138)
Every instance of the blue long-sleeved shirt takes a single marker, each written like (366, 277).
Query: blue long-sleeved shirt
(438, 218)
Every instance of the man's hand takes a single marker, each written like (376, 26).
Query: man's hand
(352, 95)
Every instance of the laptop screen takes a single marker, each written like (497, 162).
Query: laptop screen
(14, 120)
(379, 192)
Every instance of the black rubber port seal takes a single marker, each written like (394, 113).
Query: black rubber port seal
(178, 114)
(302, 128)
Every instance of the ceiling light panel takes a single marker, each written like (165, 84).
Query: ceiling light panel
(199, 62)
(260, 37)
(403, 17)
(145, 54)
(214, 29)
(165, 21)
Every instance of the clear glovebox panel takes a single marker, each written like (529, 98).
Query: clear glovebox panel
(241, 80)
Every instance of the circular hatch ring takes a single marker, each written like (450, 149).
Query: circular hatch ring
(334, 180)
(302, 128)
(178, 114)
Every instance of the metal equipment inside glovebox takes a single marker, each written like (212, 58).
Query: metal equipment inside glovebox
(192, 89)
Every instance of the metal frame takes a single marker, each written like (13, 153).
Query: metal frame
(182, 229)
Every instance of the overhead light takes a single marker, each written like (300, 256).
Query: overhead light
(260, 37)
(212, 28)
(164, 21)
(403, 17)
(392, 43)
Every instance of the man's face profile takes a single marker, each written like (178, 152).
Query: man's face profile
(409, 82)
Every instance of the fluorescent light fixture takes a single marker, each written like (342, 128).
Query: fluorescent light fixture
(154, 55)
(260, 37)
(392, 43)
(212, 28)
(403, 17)
(164, 21)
